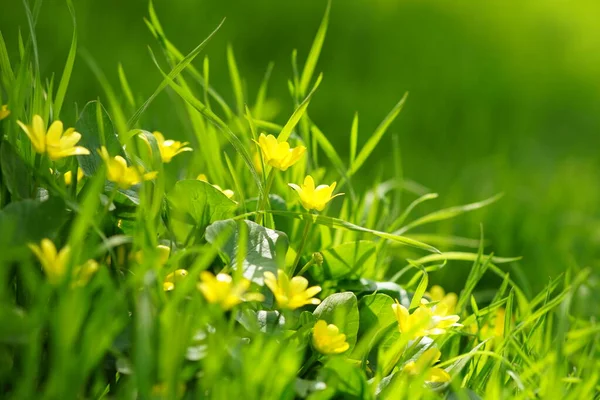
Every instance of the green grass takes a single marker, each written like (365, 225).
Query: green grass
(121, 335)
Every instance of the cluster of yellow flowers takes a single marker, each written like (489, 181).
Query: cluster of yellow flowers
(281, 156)
(221, 289)
(427, 319)
(54, 263)
(58, 143)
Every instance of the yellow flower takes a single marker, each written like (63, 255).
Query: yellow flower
(446, 301)
(314, 198)
(424, 321)
(170, 148)
(279, 154)
(222, 290)
(118, 172)
(226, 192)
(55, 142)
(174, 277)
(68, 176)
(85, 272)
(493, 330)
(4, 112)
(54, 263)
(163, 255)
(291, 294)
(257, 163)
(327, 339)
(424, 366)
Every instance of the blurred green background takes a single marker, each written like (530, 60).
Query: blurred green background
(504, 97)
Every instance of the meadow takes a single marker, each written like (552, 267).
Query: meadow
(211, 238)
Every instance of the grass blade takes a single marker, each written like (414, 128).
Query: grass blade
(298, 113)
(66, 76)
(174, 73)
(315, 51)
(448, 213)
(376, 136)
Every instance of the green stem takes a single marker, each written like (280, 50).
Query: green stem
(309, 363)
(307, 227)
(307, 266)
(265, 200)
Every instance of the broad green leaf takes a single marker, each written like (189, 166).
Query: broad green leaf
(376, 312)
(263, 251)
(29, 221)
(350, 260)
(15, 173)
(17, 327)
(96, 130)
(341, 309)
(199, 203)
(345, 377)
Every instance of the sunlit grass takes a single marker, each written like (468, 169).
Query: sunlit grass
(209, 280)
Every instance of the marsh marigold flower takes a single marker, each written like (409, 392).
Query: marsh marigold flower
(170, 148)
(424, 321)
(163, 253)
(68, 176)
(291, 293)
(55, 142)
(327, 339)
(54, 263)
(279, 154)
(4, 112)
(424, 366)
(85, 272)
(446, 301)
(227, 192)
(314, 198)
(124, 176)
(223, 291)
(174, 277)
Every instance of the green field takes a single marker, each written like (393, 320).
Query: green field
(176, 242)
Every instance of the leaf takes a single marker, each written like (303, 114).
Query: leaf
(376, 136)
(350, 260)
(66, 76)
(298, 113)
(96, 130)
(172, 75)
(345, 377)
(29, 221)
(15, 173)
(448, 213)
(315, 51)
(337, 223)
(375, 312)
(17, 327)
(265, 248)
(199, 203)
(341, 309)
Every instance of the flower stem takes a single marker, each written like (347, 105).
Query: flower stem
(307, 266)
(307, 226)
(265, 199)
(309, 363)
